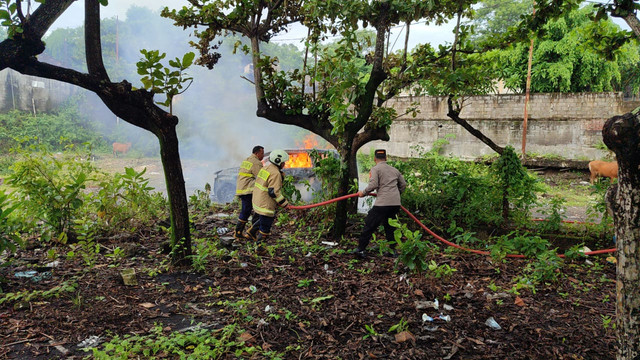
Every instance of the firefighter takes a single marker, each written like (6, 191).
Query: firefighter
(267, 195)
(249, 169)
(389, 183)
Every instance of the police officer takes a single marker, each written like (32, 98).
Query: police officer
(249, 169)
(267, 195)
(389, 183)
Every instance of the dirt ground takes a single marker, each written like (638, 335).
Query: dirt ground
(306, 298)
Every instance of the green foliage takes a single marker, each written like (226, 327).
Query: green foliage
(160, 79)
(447, 190)
(517, 186)
(440, 271)
(123, 201)
(66, 286)
(517, 243)
(197, 344)
(47, 129)
(327, 169)
(9, 236)
(568, 57)
(53, 185)
(289, 190)
(554, 217)
(10, 17)
(412, 251)
(401, 326)
(201, 200)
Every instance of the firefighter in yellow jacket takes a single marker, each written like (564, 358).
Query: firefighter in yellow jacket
(267, 195)
(249, 169)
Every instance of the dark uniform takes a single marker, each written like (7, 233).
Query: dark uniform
(389, 183)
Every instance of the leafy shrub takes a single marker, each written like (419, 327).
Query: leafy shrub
(47, 129)
(124, 201)
(517, 187)
(9, 237)
(447, 190)
(412, 251)
(51, 185)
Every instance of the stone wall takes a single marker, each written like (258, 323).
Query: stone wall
(30, 93)
(568, 125)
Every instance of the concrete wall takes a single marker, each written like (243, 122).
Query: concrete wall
(568, 125)
(24, 92)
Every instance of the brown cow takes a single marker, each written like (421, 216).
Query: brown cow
(119, 147)
(603, 168)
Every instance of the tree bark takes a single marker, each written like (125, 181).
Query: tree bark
(622, 135)
(180, 234)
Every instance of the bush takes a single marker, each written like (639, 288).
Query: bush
(52, 185)
(47, 129)
(446, 190)
(9, 237)
(54, 191)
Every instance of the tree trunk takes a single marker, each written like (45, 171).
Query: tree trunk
(622, 135)
(340, 222)
(174, 178)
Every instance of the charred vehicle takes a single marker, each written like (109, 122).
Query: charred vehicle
(300, 166)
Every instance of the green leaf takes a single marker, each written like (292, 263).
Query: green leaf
(4, 14)
(187, 59)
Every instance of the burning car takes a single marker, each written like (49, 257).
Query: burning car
(300, 166)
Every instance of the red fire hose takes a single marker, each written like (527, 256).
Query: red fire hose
(447, 242)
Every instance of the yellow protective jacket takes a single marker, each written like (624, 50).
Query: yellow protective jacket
(249, 169)
(268, 178)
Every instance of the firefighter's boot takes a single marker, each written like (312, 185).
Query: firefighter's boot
(239, 229)
(262, 236)
(252, 233)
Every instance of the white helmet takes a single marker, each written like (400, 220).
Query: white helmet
(278, 157)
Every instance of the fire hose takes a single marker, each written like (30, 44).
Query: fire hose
(438, 237)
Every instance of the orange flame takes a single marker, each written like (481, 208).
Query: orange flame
(309, 142)
(299, 160)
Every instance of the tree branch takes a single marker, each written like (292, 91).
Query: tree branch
(92, 40)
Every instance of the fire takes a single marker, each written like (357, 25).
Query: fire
(298, 160)
(309, 142)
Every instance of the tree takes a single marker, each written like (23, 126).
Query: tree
(563, 60)
(621, 133)
(340, 92)
(494, 17)
(137, 107)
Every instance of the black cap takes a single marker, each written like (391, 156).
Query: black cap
(380, 154)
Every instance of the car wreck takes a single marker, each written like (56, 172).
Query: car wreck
(300, 166)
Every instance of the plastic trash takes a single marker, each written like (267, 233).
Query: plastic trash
(91, 341)
(492, 323)
(26, 274)
(426, 318)
(447, 307)
(267, 308)
(431, 328)
(253, 289)
(222, 230)
(427, 304)
(52, 264)
(243, 265)
(329, 243)
(446, 318)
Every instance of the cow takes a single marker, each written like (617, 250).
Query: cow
(603, 168)
(119, 147)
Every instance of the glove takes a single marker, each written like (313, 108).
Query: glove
(271, 193)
